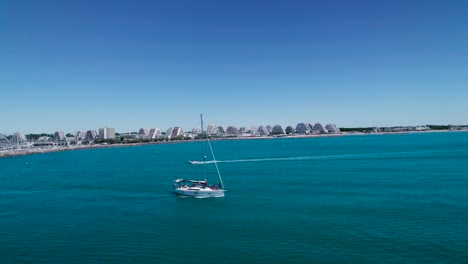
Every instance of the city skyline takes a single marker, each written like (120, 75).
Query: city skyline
(253, 126)
(296, 128)
(76, 66)
(151, 130)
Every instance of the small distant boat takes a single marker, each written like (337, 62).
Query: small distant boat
(196, 162)
(197, 188)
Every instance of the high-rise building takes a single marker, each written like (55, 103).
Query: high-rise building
(59, 136)
(80, 135)
(18, 138)
(168, 133)
(277, 130)
(143, 133)
(231, 130)
(302, 128)
(106, 133)
(332, 129)
(91, 135)
(262, 131)
(3, 139)
(176, 132)
(154, 133)
(212, 129)
(319, 129)
(289, 130)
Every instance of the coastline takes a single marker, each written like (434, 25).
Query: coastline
(34, 151)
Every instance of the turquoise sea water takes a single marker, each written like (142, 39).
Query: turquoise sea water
(354, 199)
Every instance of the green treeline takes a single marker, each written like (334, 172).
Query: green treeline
(357, 129)
(438, 127)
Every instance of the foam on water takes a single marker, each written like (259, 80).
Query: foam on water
(331, 157)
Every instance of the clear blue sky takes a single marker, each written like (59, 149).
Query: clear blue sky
(78, 65)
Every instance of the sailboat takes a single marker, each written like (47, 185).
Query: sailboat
(200, 188)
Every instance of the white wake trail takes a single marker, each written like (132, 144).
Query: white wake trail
(325, 157)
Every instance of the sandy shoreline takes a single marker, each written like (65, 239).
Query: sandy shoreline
(32, 151)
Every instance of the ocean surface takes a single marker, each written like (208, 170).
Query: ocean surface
(353, 199)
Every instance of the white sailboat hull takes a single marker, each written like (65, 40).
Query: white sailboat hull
(199, 192)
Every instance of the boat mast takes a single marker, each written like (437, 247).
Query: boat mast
(203, 148)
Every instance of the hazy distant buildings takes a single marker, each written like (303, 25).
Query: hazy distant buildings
(289, 130)
(106, 133)
(422, 128)
(262, 131)
(168, 133)
(319, 129)
(232, 131)
(133, 136)
(154, 133)
(177, 132)
(59, 136)
(91, 135)
(277, 130)
(174, 133)
(79, 136)
(196, 130)
(18, 138)
(332, 129)
(212, 129)
(143, 132)
(302, 128)
(244, 132)
(43, 139)
(3, 139)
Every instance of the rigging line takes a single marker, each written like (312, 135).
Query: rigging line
(216, 163)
